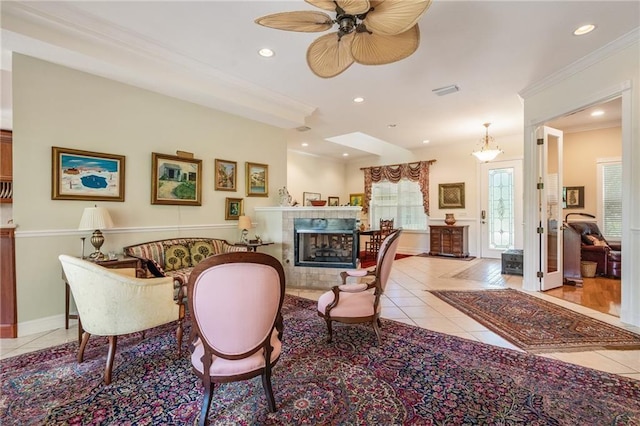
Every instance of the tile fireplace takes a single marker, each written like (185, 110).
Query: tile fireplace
(325, 242)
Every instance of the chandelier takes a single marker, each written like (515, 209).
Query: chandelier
(486, 153)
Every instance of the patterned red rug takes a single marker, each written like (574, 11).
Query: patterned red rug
(417, 377)
(536, 325)
(368, 261)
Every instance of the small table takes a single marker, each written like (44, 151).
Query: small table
(120, 263)
(253, 246)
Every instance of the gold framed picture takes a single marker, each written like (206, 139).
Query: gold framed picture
(356, 200)
(233, 208)
(451, 195)
(226, 175)
(257, 179)
(176, 180)
(86, 175)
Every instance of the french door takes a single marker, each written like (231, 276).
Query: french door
(501, 217)
(550, 199)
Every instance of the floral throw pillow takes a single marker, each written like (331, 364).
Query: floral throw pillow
(200, 250)
(176, 257)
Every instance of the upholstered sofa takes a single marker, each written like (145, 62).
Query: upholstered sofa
(595, 248)
(177, 257)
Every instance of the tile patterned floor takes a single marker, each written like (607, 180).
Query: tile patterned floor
(407, 300)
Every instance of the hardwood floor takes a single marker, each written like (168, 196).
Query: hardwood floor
(601, 294)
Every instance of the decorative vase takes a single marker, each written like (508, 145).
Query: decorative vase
(449, 219)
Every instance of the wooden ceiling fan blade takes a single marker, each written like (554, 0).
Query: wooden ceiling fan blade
(329, 55)
(378, 49)
(352, 7)
(303, 21)
(390, 17)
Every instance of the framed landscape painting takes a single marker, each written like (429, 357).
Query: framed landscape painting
(334, 201)
(86, 175)
(356, 200)
(257, 180)
(176, 180)
(226, 175)
(307, 197)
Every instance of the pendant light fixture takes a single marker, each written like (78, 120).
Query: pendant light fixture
(486, 153)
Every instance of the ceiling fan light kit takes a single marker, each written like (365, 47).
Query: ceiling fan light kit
(486, 153)
(369, 33)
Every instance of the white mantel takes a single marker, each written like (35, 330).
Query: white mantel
(276, 224)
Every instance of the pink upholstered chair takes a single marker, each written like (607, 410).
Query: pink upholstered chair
(235, 301)
(360, 302)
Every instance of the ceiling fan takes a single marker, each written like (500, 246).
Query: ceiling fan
(370, 32)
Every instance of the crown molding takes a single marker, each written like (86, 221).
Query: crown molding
(632, 37)
(48, 29)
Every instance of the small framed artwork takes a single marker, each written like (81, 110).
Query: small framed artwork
(573, 197)
(233, 208)
(226, 175)
(356, 200)
(257, 179)
(307, 197)
(86, 175)
(176, 180)
(334, 201)
(451, 195)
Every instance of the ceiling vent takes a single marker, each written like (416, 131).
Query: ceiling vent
(303, 128)
(441, 91)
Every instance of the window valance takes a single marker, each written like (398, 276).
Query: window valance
(415, 172)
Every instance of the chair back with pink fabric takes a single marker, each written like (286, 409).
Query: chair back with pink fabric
(235, 301)
(386, 256)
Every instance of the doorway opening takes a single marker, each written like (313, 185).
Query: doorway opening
(592, 136)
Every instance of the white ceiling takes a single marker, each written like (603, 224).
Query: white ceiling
(206, 52)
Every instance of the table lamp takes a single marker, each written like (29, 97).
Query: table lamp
(244, 223)
(96, 218)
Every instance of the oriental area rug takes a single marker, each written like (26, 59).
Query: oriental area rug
(536, 325)
(416, 377)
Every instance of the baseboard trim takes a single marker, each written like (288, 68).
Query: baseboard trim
(42, 324)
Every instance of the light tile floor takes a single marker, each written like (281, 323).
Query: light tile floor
(407, 300)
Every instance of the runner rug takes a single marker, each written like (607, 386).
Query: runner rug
(415, 377)
(536, 325)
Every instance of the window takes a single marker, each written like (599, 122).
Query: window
(401, 202)
(610, 198)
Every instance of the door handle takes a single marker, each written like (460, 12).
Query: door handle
(483, 216)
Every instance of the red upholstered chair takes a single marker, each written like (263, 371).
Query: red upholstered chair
(235, 301)
(360, 303)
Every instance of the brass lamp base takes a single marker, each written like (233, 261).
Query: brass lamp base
(97, 239)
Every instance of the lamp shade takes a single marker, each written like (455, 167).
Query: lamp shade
(244, 222)
(95, 218)
(486, 153)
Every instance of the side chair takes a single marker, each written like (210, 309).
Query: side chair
(235, 300)
(112, 304)
(357, 303)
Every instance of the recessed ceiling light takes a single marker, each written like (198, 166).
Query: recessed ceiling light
(265, 52)
(358, 99)
(585, 29)
(425, 141)
(597, 113)
(346, 154)
(305, 144)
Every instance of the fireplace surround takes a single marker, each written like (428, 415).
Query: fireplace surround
(325, 242)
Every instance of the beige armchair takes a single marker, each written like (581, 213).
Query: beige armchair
(112, 304)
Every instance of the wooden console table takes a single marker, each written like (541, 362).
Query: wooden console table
(121, 262)
(449, 240)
